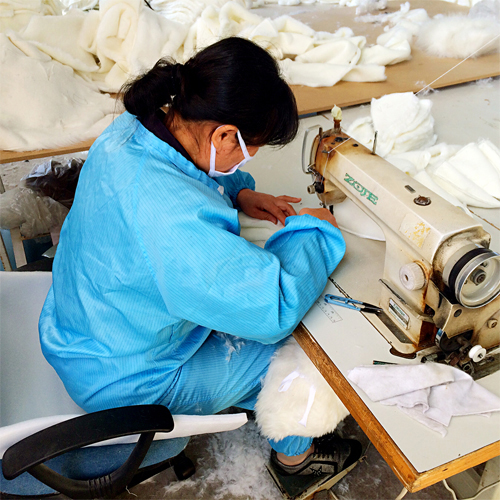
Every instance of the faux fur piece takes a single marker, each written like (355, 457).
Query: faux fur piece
(278, 414)
(459, 37)
(44, 104)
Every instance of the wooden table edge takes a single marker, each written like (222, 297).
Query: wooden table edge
(401, 466)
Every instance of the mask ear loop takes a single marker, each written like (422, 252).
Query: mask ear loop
(243, 146)
(213, 153)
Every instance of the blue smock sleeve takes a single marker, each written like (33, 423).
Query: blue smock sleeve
(208, 275)
(234, 183)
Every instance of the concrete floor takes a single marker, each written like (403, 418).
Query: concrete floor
(231, 466)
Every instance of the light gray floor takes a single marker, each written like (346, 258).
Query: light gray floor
(231, 466)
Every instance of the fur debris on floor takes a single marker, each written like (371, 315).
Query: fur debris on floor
(231, 466)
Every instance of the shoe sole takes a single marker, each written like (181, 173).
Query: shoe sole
(304, 487)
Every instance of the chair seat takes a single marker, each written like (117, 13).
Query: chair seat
(87, 463)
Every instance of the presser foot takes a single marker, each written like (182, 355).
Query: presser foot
(306, 487)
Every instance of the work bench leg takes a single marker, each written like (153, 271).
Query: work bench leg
(469, 483)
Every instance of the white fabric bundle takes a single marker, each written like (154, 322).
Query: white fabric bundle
(295, 399)
(44, 104)
(431, 393)
(349, 217)
(403, 123)
(313, 74)
(15, 14)
(68, 5)
(124, 36)
(310, 58)
(59, 37)
(468, 175)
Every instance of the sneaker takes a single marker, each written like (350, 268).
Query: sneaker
(331, 455)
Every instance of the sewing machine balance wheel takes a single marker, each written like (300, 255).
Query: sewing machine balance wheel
(473, 273)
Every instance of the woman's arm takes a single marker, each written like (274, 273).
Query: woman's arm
(210, 276)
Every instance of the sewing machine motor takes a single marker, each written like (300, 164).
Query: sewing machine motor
(441, 282)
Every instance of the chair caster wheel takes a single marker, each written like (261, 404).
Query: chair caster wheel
(183, 467)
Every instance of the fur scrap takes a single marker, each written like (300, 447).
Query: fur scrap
(459, 37)
(278, 414)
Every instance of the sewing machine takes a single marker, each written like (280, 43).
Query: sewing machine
(440, 289)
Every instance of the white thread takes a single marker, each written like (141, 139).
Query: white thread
(456, 65)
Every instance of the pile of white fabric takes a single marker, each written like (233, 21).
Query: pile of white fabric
(463, 175)
(55, 66)
(44, 103)
(127, 38)
(14, 14)
(124, 38)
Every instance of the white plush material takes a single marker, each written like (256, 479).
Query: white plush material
(403, 122)
(460, 186)
(314, 74)
(279, 414)
(58, 37)
(15, 14)
(459, 36)
(475, 165)
(44, 103)
(349, 216)
(257, 231)
(468, 175)
(424, 178)
(124, 38)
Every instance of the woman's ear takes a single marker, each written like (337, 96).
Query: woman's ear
(224, 138)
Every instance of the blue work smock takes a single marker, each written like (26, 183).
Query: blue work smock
(150, 261)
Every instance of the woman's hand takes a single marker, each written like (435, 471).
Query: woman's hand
(320, 213)
(265, 206)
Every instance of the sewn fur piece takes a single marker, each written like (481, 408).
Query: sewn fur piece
(278, 414)
(459, 36)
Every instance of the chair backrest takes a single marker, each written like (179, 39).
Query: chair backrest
(29, 386)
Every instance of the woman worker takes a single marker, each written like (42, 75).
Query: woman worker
(150, 264)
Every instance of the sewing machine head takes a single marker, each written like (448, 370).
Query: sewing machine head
(441, 283)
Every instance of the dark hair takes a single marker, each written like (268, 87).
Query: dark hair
(233, 81)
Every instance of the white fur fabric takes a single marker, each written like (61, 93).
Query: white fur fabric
(459, 36)
(313, 74)
(15, 14)
(44, 104)
(468, 175)
(124, 38)
(58, 37)
(278, 414)
(403, 122)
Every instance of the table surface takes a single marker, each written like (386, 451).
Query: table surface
(418, 455)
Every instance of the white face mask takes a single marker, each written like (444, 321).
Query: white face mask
(215, 173)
